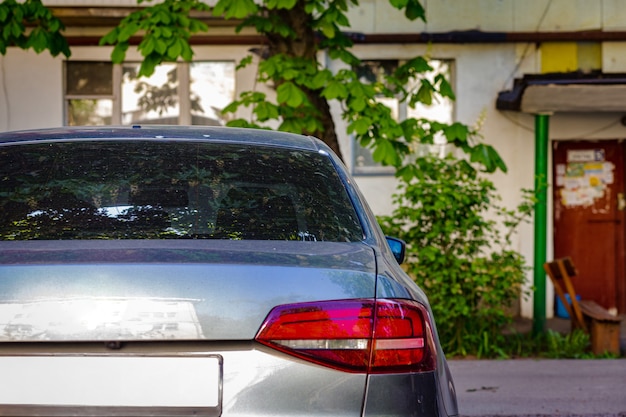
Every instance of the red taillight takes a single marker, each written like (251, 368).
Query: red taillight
(376, 336)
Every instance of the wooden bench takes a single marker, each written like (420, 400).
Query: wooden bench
(602, 326)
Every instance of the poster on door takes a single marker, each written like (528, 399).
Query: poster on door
(584, 178)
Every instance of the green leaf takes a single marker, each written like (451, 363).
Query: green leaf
(147, 45)
(456, 132)
(231, 107)
(290, 74)
(187, 53)
(235, 9)
(335, 90)
(163, 17)
(360, 126)
(242, 123)
(319, 80)
(165, 31)
(292, 125)
(109, 38)
(148, 65)
(425, 93)
(327, 28)
(127, 31)
(37, 40)
(288, 93)
(184, 21)
(357, 104)
(119, 52)
(17, 29)
(445, 89)
(487, 156)
(175, 49)
(385, 152)
(398, 4)
(197, 26)
(160, 46)
(266, 111)
(244, 62)
(414, 10)
(287, 4)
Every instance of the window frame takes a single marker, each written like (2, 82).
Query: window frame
(183, 69)
(377, 169)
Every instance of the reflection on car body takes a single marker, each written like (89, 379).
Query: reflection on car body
(240, 266)
(100, 318)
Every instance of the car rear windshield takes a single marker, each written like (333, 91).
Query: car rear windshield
(171, 189)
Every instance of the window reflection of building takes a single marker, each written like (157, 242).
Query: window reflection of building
(100, 319)
(100, 93)
(441, 110)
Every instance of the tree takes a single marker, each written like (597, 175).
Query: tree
(46, 32)
(296, 31)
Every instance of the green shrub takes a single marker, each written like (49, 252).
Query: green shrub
(458, 251)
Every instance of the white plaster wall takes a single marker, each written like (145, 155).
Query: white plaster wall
(30, 90)
(557, 15)
(485, 15)
(614, 15)
(446, 15)
(378, 16)
(613, 57)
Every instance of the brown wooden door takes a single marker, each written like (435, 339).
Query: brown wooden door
(588, 178)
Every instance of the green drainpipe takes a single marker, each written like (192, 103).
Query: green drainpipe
(541, 212)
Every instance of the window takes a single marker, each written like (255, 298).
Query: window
(133, 189)
(88, 92)
(178, 93)
(441, 110)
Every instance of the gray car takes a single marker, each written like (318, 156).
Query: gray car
(179, 271)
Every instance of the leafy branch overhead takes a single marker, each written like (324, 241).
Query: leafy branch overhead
(45, 33)
(165, 28)
(295, 33)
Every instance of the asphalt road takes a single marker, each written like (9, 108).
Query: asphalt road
(529, 387)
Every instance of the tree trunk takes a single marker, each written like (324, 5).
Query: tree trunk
(304, 45)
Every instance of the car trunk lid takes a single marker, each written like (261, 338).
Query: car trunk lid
(168, 290)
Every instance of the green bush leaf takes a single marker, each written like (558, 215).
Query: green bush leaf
(385, 152)
(445, 89)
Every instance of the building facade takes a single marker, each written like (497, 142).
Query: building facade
(509, 60)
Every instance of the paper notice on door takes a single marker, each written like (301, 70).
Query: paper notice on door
(582, 183)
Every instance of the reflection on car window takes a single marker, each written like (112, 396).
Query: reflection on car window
(159, 190)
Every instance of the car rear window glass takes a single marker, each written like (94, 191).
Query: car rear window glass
(171, 189)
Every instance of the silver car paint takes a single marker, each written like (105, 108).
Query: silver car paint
(208, 290)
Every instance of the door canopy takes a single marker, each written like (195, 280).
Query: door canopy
(565, 93)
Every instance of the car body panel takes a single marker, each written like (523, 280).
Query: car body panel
(172, 133)
(256, 381)
(199, 289)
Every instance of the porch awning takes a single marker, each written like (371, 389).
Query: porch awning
(562, 93)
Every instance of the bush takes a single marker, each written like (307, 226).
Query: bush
(458, 251)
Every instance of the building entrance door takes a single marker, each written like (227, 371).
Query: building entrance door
(589, 204)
